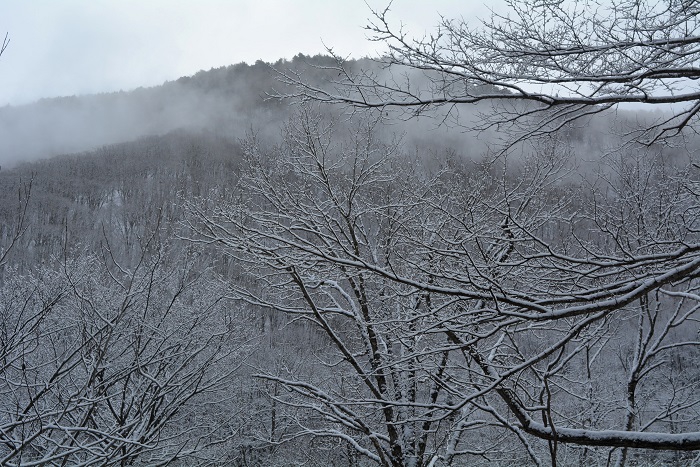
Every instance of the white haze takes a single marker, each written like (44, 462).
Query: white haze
(67, 125)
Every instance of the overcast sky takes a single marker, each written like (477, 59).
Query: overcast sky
(69, 47)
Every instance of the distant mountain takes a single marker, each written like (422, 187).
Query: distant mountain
(228, 100)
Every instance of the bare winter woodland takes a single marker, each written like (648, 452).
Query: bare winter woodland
(481, 249)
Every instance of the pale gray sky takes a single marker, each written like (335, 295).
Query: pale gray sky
(67, 47)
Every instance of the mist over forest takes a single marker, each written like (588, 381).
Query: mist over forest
(410, 261)
(229, 101)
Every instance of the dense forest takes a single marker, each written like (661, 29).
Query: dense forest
(311, 263)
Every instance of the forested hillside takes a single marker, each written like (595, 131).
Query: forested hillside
(229, 101)
(200, 274)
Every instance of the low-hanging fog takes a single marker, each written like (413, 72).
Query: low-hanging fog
(229, 100)
(232, 101)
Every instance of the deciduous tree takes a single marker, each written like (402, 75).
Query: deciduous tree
(470, 313)
(536, 65)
